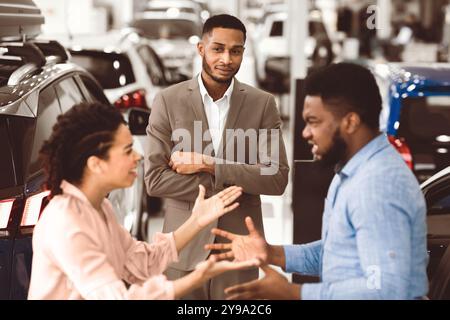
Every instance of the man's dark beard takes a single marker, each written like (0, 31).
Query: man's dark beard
(336, 153)
(210, 73)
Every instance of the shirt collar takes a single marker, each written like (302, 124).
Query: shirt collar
(204, 93)
(373, 147)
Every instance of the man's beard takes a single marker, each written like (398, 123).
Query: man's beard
(212, 76)
(336, 154)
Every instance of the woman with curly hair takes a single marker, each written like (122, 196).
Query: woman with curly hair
(80, 250)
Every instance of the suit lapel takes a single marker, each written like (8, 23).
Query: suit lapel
(237, 100)
(196, 102)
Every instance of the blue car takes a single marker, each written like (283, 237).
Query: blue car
(416, 113)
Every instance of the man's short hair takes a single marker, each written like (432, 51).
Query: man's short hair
(347, 87)
(224, 21)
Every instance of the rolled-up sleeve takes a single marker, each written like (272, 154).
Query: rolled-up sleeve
(304, 259)
(382, 213)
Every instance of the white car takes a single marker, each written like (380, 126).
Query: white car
(124, 63)
(271, 41)
(131, 74)
(174, 37)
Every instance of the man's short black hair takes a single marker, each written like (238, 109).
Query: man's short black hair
(347, 87)
(224, 21)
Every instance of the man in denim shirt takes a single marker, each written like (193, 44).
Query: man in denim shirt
(373, 242)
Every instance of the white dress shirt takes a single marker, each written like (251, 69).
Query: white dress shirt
(216, 112)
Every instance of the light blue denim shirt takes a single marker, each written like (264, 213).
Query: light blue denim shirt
(373, 242)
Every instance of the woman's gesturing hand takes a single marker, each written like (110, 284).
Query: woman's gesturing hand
(206, 211)
(211, 267)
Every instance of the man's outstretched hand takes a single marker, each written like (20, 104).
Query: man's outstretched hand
(241, 248)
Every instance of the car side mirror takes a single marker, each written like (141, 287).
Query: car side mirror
(138, 121)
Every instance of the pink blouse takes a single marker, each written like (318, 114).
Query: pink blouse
(77, 255)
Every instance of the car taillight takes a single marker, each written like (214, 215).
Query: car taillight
(5, 211)
(403, 148)
(32, 209)
(135, 99)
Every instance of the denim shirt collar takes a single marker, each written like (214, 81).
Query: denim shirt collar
(364, 154)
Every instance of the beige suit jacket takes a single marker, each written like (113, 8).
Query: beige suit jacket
(178, 107)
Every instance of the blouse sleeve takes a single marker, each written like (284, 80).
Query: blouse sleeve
(80, 256)
(155, 288)
(145, 260)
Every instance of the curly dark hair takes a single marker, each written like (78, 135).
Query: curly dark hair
(87, 129)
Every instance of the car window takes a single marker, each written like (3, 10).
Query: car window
(68, 94)
(277, 29)
(424, 119)
(152, 64)
(48, 111)
(438, 214)
(425, 125)
(7, 178)
(93, 90)
(112, 70)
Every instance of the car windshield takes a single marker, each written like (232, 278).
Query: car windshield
(112, 70)
(425, 125)
(167, 29)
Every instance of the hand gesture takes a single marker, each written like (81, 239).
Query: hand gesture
(206, 211)
(273, 286)
(211, 268)
(241, 248)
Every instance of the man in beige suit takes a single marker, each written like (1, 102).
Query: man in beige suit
(215, 131)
